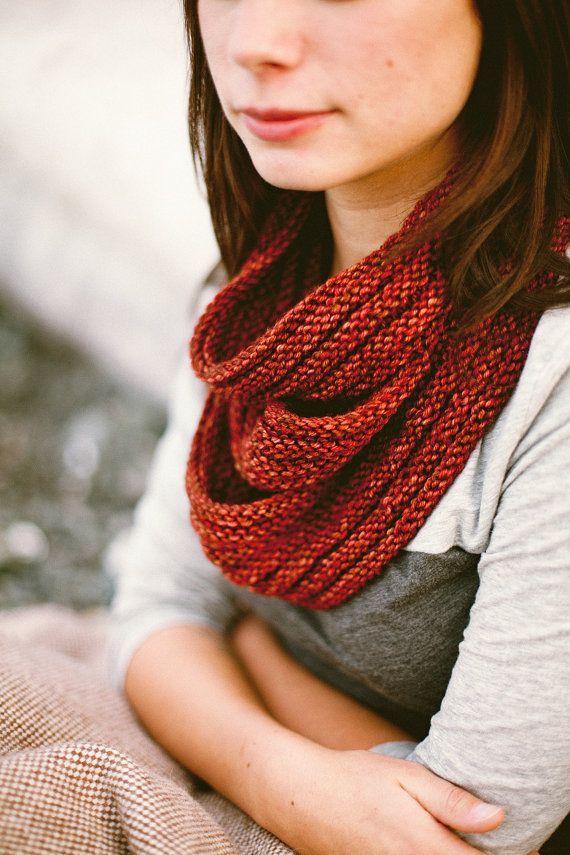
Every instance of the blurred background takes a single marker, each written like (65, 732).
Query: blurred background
(104, 240)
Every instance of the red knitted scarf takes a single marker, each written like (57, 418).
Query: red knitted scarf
(339, 411)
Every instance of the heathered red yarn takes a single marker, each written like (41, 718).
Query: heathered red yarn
(339, 411)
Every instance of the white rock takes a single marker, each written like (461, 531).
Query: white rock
(104, 233)
(25, 541)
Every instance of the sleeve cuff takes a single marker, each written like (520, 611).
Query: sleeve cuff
(401, 750)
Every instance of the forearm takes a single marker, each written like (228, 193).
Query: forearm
(301, 701)
(194, 699)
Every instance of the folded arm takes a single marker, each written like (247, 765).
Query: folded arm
(503, 730)
(172, 611)
(303, 702)
(197, 702)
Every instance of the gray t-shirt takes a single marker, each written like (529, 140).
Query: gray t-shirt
(463, 640)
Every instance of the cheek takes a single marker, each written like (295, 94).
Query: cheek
(416, 79)
(389, 91)
(374, 66)
(213, 29)
(443, 59)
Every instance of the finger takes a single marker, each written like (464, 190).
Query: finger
(450, 804)
(435, 839)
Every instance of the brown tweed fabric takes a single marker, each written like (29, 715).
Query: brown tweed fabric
(77, 772)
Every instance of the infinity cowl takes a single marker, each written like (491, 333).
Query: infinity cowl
(339, 410)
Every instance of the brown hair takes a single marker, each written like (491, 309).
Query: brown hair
(511, 184)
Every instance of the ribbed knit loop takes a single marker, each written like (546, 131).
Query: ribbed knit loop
(339, 412)
(286, 450)
(267, 354)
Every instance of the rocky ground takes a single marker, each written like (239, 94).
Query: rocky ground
(74, 452)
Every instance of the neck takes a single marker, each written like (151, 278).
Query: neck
(364, 213)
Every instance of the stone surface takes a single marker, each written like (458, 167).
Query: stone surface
(74, 452)
(104, 231)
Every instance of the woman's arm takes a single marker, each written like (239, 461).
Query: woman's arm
(303, 702)
(171, 610)
(195, 700)
(503, 730)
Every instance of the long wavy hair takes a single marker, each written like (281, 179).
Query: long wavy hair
(511, 180)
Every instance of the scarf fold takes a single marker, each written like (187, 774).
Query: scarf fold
(339, 411)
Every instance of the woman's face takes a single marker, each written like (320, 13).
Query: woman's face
(324, 93)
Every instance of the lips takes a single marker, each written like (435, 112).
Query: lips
(275, 115)
(275, 125)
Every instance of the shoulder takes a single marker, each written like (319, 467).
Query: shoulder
(543, 388)
(548, 360)
(532, 425)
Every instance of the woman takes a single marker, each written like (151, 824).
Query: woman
(377, 443)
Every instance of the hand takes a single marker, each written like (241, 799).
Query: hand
(282, 683)
(348, 802)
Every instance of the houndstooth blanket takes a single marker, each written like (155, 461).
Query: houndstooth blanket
(78, 774)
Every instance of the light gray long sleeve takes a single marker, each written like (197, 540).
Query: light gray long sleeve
(503, 730)
(503, 726)
(162, 576)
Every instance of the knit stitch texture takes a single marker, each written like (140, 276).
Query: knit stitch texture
(339, 411)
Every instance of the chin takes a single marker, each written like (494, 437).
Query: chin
(294, 176)
(296, 184)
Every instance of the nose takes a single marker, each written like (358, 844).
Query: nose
(266, 35)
